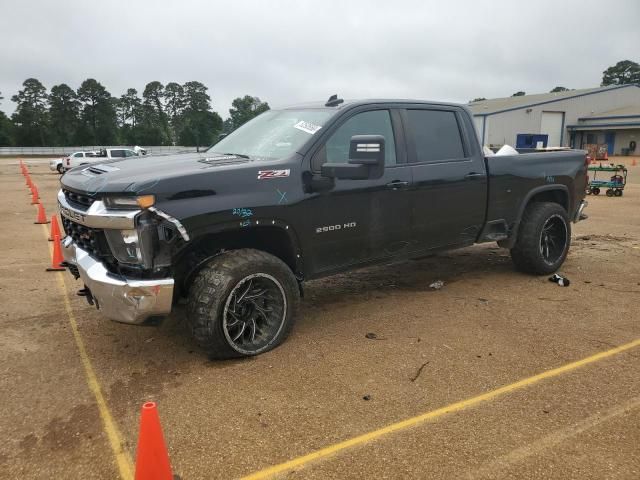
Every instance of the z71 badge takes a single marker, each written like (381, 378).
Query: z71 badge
(266, 174)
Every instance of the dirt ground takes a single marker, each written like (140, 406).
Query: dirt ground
(488, 327)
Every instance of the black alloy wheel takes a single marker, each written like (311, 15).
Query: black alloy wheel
(254, 313)
(553, 239)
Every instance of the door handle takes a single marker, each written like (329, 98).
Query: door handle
(397, 184)
(474, 176)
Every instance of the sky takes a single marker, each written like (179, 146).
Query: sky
(287, 52)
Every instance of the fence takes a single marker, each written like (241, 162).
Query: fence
(62, 151)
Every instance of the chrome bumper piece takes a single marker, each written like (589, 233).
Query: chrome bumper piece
(120, 299)
(580, 215)
(98, 215)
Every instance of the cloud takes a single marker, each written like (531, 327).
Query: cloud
(292, 51)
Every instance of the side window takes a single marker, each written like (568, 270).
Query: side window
(129, 153)
(336, 149)
(436, 134)
(117, 153)
(78, 155)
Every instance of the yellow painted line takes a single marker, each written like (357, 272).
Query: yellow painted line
(454, 407)
(125, 465)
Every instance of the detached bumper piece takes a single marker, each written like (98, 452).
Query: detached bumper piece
(580, 215)
(121, 299)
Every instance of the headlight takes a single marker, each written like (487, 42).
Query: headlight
(125, 245)
(130, 203)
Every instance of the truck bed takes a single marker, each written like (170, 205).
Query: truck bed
(514, 179)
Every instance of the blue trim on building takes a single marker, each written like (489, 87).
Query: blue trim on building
(520, 107)
(609, 118)
(600, 125)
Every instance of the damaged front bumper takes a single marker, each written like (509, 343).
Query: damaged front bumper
(118, 298)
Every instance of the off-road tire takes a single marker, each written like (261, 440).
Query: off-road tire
(526, 253)
(214, 283)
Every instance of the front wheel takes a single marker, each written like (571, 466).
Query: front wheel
(242, 304)
(60, 169)
(543, 239)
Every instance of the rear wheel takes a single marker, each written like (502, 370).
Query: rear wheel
(609, 192)
(618, 193)
(595, 191)
(543, 239)
(242, 304)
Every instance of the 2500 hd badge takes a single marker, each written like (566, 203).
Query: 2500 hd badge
(333, 228)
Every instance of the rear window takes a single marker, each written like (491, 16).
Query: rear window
(117, 153)
(436, 134)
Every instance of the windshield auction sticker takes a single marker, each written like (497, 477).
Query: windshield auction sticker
(307, 127)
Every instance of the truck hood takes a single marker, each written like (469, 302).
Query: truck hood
(165, 176)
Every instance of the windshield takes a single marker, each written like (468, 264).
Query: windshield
(273, 134)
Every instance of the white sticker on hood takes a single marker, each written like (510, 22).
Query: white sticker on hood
(307, 127)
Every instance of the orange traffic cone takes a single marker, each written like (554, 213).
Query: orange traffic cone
(34, 195)
(57, 259)
(152, 458)
(55, 228)
(28, 179)
(42, 216)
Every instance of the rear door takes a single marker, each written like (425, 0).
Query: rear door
(448, 198)
(359, 220)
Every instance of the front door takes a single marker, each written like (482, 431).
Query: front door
(358, 220)
(449, 191)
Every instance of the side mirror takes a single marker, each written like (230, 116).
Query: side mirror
(366, 160)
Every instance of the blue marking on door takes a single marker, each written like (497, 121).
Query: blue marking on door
(283, 196)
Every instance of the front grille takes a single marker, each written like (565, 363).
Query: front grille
(91, 240)
(78, 200)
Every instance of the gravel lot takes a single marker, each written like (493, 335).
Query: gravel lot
(486, 328)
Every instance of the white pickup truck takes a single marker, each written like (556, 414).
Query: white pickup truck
(104, 154)
(57, 164)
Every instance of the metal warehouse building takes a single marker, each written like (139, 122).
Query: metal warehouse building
(575, 118)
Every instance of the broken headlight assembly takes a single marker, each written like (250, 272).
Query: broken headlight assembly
(133, 246)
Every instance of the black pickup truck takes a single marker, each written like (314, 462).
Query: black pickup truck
(301, 193)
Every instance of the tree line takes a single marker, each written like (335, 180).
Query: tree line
(622, 73)
(171, 114)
